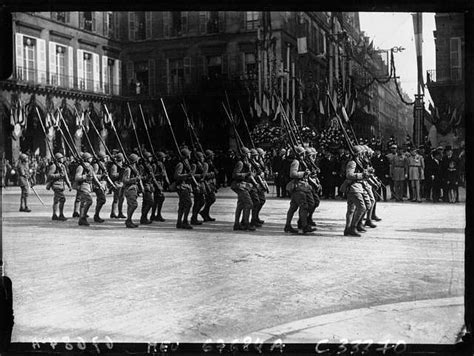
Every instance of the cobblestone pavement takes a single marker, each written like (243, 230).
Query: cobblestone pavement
(155, 282)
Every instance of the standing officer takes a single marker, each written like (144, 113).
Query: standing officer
(146, 169)
(354, 188)
(416, 172)
(23, 170)
(130, 179)
(314, 183)
(210, 186)
(277, 167)
(390, 156)
(301, 195)
(57, 178)
(398, 174)
(161, 178)
(83, 178)
(243, 181)
(116, 175)
(183, 176)
(199, 167)
(100, 187)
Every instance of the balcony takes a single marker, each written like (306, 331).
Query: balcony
(35, 77)
(444, 77)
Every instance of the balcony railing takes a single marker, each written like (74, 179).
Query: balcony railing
(34, 76)
(452, 75)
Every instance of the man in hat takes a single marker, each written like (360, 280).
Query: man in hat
(210, 186)
(301, 195)
(449, 160)
(100, 187)
(277, 167)
(23, 170)
(116, 174)
(57, 178)
(183, 175)
(381, 166)
(398, 174)
(415, 168)
(243, 182)
(161, 178)
(390, 157)
(131, 179)
(83, 178)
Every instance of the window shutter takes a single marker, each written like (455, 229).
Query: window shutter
(81, 19)
(222, 21)
(148, 23)
(225, 65)
(187, 70)
(105, 80)
(166, 23)
(131, 26)
(168, 76)
(241, 67)
(130, 75)
(105, 23)
(116, 25)
(19, 54)
(201, 67)
(93, 21)
(70, 58)
(151, 77)
(184, 21)
(80, 69)
(41, 60)
(53, 79)
(96, 71)
(243, 20)
(117, 77)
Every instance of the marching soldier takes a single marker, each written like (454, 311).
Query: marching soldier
(263, 187)
(200, 168)
(315, 185)
(242, 183)
(161, 178)
(99, 187)
(354, 188)
(369, 196)
(256, 190)
(77, 201)
(130, 179)
(83, 178)
(148, 179)
(183, 176)
(24, 176)
(116, 174)
(300, 191)
(210, 186)
(57, 179)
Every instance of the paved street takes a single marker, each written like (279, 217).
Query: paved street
(156, 282)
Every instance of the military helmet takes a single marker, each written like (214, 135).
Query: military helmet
(58, 155)
(119, 157)
(245, 150)
(101, 155)
(23, 157)
(133, 158)
(358, 149)
(209, 153)
(147, 154)
(160, 154)
(283, 151)
(260, 151)
(199, 155)
(185, 152)
(313, 151)
(86, 156)
(299, 150)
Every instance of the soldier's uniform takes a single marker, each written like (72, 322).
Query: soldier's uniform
(77, 201)
(183, 178)
(116, 175)
(210, 185)
(130, 180)
(57, 179)
(300, 192)
(398, 172)
(354, 188)
(315, 185)
(83, 179)
(242, 183)
(24, 176)
(148, 184)
(369, 196)
(200, 170)
(99, 188)
(161, 176)
(256, 194)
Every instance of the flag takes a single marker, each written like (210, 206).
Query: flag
(85, 121)
(48, 121)
(13, 116)
(106, 118)
(344, 114)
(37, 152)
(266, 105)
(321, 107)
(21, 118)
(258, 108)
(57, 119)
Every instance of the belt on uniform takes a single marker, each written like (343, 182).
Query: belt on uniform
(414, 166)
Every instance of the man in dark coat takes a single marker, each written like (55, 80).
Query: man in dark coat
(277, 168)
(381, 166)
(436, 175)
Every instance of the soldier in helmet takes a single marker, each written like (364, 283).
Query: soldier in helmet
(314, 183)
(255, 191)
(300, 191)
(57, 179)
(148, 183)
(116, 174)
(161, 178)
(23, 170)
(200, 168)
(263, 186)
(131, 179)
(210, 184)
(183, 176)
(353, 186)
(243, 182)
(99, 187)
(83, 178)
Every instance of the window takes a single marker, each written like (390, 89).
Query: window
(184, 21)
(60, 66)
(455, 58)
(87, 21)
(176, 75)
(213, 24)
(88, 75)
(29, 59)
(252, 20)
(214, 67)
(141, 73)
(137, 29)
(250, 65)
(60, 16)
(203, 19)
(108, 24)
